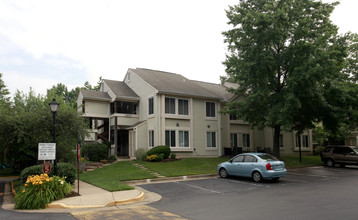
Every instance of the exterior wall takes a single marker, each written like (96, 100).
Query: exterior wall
(79, 102)
(124, 120)
(96, 109)
(143, 90)
(142, 136)
(202, 125)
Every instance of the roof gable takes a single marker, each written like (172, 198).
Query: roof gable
(120, 89)
(174, 84)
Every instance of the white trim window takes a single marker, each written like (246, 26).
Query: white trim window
(280, 141)
(169, 105)
(302, 141)
(170, 138)
(151, 106)
(245, 140)
(151, 138)
(233, 140)
(210, 109)
(183, 106)
(183, 138)
(211, 139)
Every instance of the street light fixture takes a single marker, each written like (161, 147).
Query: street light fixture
(54, 106)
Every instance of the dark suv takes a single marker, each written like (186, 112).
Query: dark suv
(342, 155)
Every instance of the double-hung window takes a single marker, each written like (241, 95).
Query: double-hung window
(183, 138)
(150, 106)
(211, 139)
(151, 138)
(233, 140)
(183, 107)
(210, 109)
(280, 140)
(169, 105)
(246, 140)
(170, 138)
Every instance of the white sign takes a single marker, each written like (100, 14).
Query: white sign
(47, 151)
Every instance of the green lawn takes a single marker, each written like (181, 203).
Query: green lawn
(294, 161)
(185, 166)
(109, 177)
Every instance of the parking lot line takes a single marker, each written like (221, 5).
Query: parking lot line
(304, 174)
(198, 187)
(301, 181)
(251, 184)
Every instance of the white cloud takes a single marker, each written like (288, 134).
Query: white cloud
(75, 41)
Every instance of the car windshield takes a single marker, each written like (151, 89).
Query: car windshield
(267, 157)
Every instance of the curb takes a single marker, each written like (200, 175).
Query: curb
(177, 178)
(114, 203)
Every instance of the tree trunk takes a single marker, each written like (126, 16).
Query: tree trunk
(276, 138)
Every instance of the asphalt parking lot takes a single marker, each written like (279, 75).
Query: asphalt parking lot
(305, 193)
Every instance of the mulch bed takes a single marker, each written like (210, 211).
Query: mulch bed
(72, 194)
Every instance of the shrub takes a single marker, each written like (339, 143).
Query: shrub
(66, 170)
(140, 154)
(152, 157)
(165, 150)
(95, 152)
(173, 156)
(111, 158)
(40, 190)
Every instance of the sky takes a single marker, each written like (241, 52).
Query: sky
(43, 43)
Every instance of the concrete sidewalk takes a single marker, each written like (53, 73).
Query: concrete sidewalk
(90, 197)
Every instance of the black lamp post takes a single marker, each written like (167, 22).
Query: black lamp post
(54, 106)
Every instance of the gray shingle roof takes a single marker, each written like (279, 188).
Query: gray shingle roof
(92, 94)
(175, 84)
(218, 89)
(120, 89)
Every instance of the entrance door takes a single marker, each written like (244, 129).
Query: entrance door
(123, 143)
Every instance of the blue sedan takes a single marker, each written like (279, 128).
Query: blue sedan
(258, 166)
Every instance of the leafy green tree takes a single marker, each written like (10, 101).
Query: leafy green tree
(288, 59)
(4, 93)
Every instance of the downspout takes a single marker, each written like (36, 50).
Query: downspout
(219, 130)
(136, 139)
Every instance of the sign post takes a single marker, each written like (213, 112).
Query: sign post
(78, 167)
(47, 151)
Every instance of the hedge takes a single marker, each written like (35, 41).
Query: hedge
(159, 150)
(66, 170)
(95, 152)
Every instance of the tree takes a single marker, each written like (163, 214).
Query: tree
(29, 122)
(4, 93)
(288, 60)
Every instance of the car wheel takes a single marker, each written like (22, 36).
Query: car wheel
(223, 173)
(330, 163)
(275, 179)
(256, 176)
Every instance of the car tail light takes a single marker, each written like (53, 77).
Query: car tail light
(268, 166)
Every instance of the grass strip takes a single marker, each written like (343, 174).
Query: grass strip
(110, 177)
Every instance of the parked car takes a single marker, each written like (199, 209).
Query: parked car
(339, 154)
(258, 166)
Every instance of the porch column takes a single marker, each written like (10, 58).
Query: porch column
(115, 136)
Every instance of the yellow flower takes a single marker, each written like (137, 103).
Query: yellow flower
(23, 191)
(25, 184)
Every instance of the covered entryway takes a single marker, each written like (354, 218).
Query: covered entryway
(123, 143)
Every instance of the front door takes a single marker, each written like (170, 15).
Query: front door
(123, 143)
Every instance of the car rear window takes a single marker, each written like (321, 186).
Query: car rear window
(267, 157)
